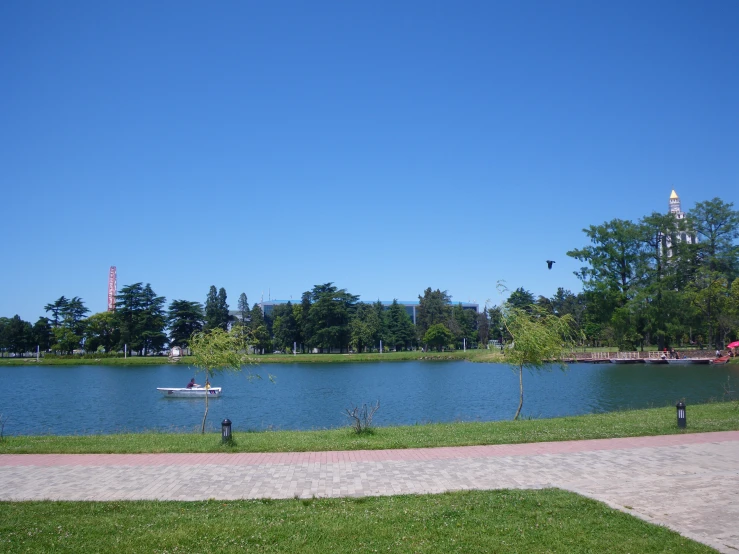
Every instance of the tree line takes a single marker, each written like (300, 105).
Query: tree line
(659, 281)
(662, 280)
(326, 319)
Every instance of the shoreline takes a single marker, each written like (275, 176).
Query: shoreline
(469, 355)
(480, 356)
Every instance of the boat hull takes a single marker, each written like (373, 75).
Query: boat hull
(689, 361)
(657, 362)
(212, 392)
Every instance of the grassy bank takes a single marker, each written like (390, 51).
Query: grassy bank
(473, 355)
(478, 521)
(719, 416)
(470, 355)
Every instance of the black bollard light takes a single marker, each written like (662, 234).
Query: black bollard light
(226, 430)
(681, 419)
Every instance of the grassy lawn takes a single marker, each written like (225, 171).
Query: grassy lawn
(479, 521)
(718, 416)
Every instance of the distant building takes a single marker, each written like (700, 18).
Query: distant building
(410, 306)
(683, 236)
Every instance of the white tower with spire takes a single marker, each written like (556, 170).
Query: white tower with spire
(675, 205)
(676, 210)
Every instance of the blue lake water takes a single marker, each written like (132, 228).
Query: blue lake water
(48, 400)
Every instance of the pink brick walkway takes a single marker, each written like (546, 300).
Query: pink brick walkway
(688, 482)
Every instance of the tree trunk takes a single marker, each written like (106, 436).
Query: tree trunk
(520, 386)
(205, 415)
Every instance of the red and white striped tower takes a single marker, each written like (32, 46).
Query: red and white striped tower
(112, 286)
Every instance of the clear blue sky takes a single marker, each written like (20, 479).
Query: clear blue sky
(266, 147)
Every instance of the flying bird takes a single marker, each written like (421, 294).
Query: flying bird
(549, 263)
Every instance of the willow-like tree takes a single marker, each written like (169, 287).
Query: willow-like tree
(218, 351)
(541, 340)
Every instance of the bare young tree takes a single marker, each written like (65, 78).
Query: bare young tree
(361, 418)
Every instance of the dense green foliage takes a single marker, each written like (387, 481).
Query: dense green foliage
(663, 280)
(216, 309)
(548, 520)
(183, 319)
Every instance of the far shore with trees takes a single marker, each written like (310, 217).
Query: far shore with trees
(644, 286)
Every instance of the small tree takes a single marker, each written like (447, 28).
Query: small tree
(437, 336)
(540, 340)
(217, 351)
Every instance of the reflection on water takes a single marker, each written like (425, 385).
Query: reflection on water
(107, 399)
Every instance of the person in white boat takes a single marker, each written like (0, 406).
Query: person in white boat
(192, 384)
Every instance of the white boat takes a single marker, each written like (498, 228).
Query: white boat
(657, 361)
(194, 392)
(688, 361)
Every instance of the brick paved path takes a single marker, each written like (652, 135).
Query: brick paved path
(689, 482)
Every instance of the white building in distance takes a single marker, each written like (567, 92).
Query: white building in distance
(682, 236)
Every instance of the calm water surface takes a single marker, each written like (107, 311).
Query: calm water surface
(107, 399)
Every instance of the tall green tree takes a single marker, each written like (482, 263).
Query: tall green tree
(434, 307)
(18, 335)
(613, 259)
(101, 331)
(243, 308)
(612, 276)
(4, 321)
(716, 224)
(521, 298)
(73, 315)
(285, 327)
(184, 318)
(216, 309)
(57, 309)
(653, 301)
(256, 317)
(463, 325)
(483, 328)
(400, 330)
(330, 311)
(364, 327)
(141, 318)
(42, 333)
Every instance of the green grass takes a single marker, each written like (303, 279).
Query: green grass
(476, 355)
(134, 360)
(482, 355)
(718, 416)
(548, 520)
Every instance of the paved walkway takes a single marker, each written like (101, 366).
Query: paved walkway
(689, 482)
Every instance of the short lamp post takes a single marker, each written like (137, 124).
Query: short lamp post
(226, 430)
(681, 419)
